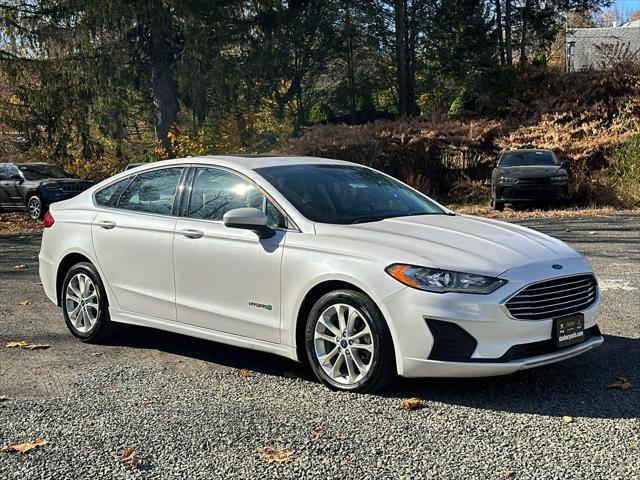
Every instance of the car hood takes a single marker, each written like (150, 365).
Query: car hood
(533, 171)
(455, 242)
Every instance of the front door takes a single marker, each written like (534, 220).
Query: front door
(227, 279)
(10, 198)
(133, 241)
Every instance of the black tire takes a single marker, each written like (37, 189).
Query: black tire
(382, 369)
(35, 209)
(103, 327)
(499, 206)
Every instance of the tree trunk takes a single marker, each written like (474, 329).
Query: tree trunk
(523, 33)
(499, 31)
(404, 67)
(163, 59)
(507, 32)
(350, 65)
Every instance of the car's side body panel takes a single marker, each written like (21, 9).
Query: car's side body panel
(136, 258)
(228, 280)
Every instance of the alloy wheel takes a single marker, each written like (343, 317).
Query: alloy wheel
(343, 342)
(35, 207)
(82, 302)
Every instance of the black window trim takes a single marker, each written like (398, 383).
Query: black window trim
(186, 196)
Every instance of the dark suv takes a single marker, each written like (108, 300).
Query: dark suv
(32, 187)
(525, 176)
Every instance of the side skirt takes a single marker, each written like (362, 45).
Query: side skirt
(121, 316)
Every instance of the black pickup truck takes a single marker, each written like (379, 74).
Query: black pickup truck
(32, 187)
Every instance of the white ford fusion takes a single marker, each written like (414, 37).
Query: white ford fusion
(317, 260)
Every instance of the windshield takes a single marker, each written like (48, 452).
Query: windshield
(42, 172)
(528, 158)
(346, 194)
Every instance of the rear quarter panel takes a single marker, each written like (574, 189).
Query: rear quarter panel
(70, 233)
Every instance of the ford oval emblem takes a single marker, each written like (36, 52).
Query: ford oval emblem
(557, 266)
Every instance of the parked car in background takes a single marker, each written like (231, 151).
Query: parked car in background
(527, 176)
(32, 187)
(317, 260)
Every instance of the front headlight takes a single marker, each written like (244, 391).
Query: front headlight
(441, 281)
(559, 178)
(508, 180)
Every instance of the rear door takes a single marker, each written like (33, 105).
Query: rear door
(227, 279)
(133, 241)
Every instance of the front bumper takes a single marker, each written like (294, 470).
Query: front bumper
(532, 193)
(502, 344)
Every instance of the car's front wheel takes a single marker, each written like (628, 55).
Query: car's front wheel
(35, 209)
(348, 342)
(84, 304)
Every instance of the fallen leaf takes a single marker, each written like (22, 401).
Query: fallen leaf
(96, 354)
(5, 399)
(22, 266)
(277, 456)
(620, 383)
(26, 345)
(411, 404)
(244, 373)
(509, 473)
(131, 457)
(24, 302)
(24, 447)
(36, 346)
(567, 419)
(318, 432)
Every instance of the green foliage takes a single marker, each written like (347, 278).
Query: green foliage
(624, 168)
(458, 103)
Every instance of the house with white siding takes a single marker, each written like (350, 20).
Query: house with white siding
(600, 48)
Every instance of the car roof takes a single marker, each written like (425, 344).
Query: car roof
(251, 162)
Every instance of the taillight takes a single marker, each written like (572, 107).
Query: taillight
(48, 220)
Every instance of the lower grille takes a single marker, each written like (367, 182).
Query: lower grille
(450, 342)
(554, 298)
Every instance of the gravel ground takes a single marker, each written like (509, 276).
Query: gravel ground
(185, 408)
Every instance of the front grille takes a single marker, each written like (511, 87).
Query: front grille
(534, 182)
(554, 298)
(75, 187)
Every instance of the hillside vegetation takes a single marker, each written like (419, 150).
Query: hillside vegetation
(591, 119)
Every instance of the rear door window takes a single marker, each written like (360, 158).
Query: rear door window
(152, 192)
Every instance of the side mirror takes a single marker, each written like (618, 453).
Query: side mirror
(566, 164)
(249, 219)
(493, 165)
(17, 178)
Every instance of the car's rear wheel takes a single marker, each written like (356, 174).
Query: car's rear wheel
(348, 343)
(499, 206)
(84, 304)
(35, 210)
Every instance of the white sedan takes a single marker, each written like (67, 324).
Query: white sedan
(317, 260)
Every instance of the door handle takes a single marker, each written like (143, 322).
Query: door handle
(191, 233)
(107, 224)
